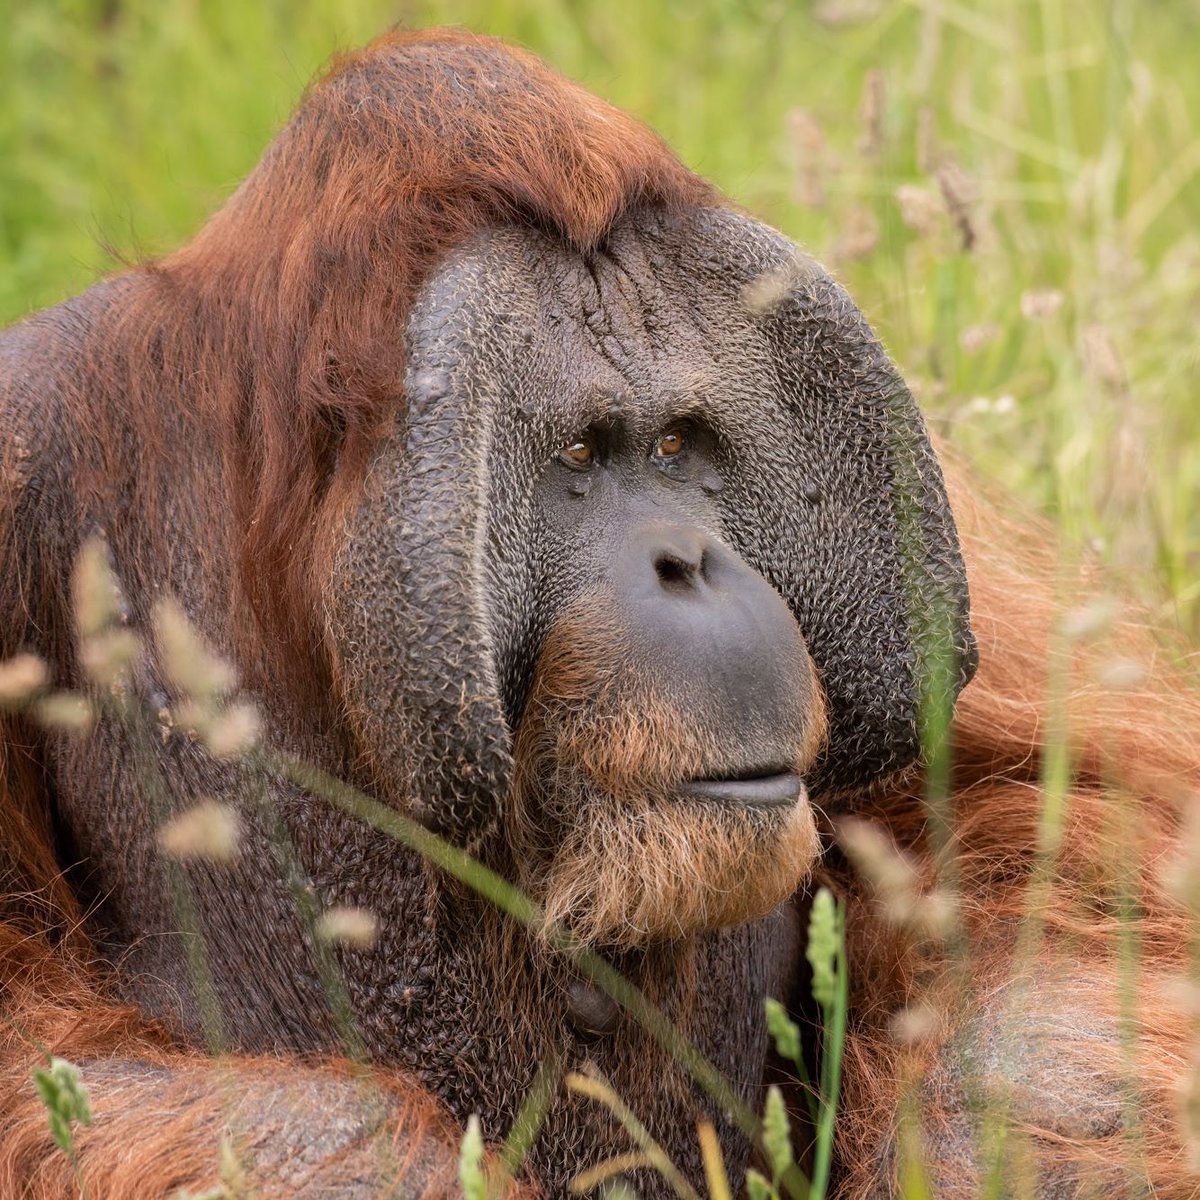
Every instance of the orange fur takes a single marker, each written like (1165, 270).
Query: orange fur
(394, 166)
(161, 1112)
(277, 338)
(1136, 767)
(299, 350)
(600, 838)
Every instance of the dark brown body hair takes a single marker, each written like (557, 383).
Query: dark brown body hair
(273, 342)
(276, 333)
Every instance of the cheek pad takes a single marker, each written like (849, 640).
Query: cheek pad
(832, 492)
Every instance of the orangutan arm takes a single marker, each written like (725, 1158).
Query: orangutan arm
(1034, 1085)
(295, 1131)
(160, 1115)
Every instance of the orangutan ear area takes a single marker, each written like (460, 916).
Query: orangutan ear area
(546, 716)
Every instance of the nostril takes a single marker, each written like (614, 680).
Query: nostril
(674, 573)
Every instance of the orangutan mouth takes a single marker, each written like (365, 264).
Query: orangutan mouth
(768, 790)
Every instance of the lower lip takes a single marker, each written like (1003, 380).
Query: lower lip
(767, 791)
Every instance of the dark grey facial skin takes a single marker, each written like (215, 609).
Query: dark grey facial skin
(463, 552)
(828, 489)
(811, 468)
(627, 509)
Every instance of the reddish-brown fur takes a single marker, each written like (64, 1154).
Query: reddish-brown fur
(160, 1131)
(1135, 769)
(600, 842)
(323, 248)
(258, 302)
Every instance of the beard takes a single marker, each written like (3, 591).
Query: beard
(628, 871)
(601, 834)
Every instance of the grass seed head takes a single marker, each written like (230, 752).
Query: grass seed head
(912, 1024)
(66, 712)
(1180, 874)
(808, 143)
(860, 234)
(975, 337)
(343, 925)
(1122, 674)
(920, 209)
(1041, 304)
(1099, 355)
(21, 677)
(193, 669)
(871, 110)
(107, 657)
(892, 876)
(95, 594)
(768, 291)
(927, 147)
(1091, 620)
(233, 732)
(960, 193)
(209, 831)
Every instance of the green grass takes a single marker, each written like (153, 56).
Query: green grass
(1071, 124)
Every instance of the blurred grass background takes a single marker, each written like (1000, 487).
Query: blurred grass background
(1011, 190)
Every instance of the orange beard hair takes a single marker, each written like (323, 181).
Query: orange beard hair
(600, 837)
(624, 876)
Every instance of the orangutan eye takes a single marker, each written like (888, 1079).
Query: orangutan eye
(670, 444)
(579, 453)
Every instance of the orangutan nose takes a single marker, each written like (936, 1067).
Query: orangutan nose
(679, 558)
(717, 634)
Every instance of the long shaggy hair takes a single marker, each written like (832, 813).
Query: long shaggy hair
(305, 278)
(600, 836)
(273, 340)
(1086, 952)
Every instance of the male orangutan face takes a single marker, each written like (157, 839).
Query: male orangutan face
(648, 560)
(674, 710)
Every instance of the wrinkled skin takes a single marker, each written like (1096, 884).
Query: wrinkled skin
(518, 348)
(474, 541)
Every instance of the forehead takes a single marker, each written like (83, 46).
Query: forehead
(659, 321)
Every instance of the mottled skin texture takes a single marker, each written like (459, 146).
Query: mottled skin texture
(515, 346)
(518, 345)
(452, 570)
